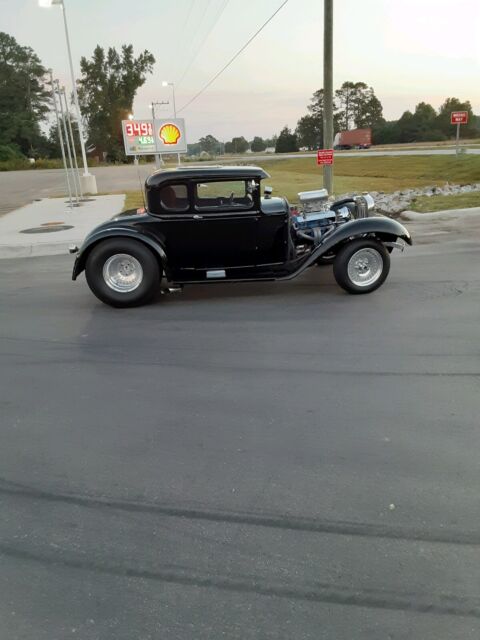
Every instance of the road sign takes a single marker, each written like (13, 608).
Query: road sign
(459, 117)
(325, 156)
(149, 137)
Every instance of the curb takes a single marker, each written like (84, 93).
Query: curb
(35, 250)
(415, 216)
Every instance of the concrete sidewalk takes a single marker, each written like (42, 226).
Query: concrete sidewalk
(39, 216)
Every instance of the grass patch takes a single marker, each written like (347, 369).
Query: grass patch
(358, 174)
(372, 174)
(424, 204)
(133, 200)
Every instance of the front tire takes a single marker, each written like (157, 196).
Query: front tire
(361, 266)
(122, 272)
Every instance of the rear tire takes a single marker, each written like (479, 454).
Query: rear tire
(361, 266)
(122, 272)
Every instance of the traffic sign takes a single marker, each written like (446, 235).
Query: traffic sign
(324, 156)
(459, 117)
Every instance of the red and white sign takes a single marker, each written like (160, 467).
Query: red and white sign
(325, 156)
(459, 117)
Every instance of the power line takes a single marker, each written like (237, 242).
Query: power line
(197, 95)
(192, 41)
(195, 53)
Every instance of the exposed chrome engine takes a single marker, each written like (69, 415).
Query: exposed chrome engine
(318, 217)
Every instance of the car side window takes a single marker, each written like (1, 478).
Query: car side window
(174, 198)
(225, 194)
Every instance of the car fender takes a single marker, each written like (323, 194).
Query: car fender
(114, 232)
(384, 228)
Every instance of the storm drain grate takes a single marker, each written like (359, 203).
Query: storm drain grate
(48, 227)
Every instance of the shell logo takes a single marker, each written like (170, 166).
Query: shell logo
(169, 134)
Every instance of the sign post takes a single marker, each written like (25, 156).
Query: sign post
(458, 118)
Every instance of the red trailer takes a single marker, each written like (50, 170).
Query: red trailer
(353, 139)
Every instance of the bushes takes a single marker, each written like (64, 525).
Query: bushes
(10, 152)
(21, 163)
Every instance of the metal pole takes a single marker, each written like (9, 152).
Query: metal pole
(69, 150)
(60, 138)
(458, 139)
(175, 114)
(75, 94)
(72, 139)
(328, 90)
(157, 156)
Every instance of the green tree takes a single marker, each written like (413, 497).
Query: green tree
(107, 88)
(425, 125)
(210, 144)
(315, 109)
(386, 133)
(357, 105)
(237, 145)
(194, 149)
(271, 142)
(369, 110)
(443, 119)
(24, 99)
(286, 142)
(310, 132)
(347, 98)
(258, 144)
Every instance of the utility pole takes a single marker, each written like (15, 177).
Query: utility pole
(158, 156)
(328, 90)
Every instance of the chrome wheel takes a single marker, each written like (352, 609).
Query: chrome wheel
(122, 273)
(365, 267)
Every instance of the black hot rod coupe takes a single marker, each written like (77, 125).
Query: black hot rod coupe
(211, 224)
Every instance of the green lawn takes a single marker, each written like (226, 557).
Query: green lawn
(439, 203)
(372, 174)
(358, 174)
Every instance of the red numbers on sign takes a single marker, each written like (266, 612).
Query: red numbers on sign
(138, 129)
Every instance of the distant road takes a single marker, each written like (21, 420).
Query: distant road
(22, 187)
(364, 153)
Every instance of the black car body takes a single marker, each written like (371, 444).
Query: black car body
(210, 224)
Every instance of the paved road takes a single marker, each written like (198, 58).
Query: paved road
(18, 188)
(247, 461)
(365, 154)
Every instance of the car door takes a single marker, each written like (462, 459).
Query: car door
(175, 225)
(224, 224)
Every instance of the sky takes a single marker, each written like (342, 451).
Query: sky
(409, 51)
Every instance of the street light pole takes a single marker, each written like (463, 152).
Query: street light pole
(89, 180)
(328, 90)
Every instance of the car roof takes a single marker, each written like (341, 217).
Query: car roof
(204, 172)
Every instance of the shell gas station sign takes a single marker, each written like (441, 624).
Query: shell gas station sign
(150, 137)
